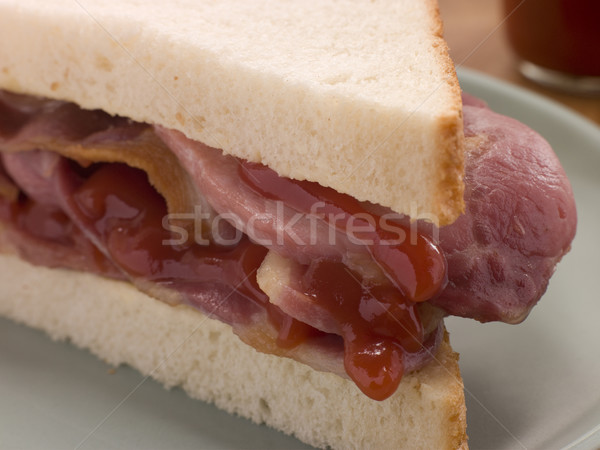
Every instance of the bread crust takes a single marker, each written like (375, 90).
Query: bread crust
(181, 347)
(361, 97)
(450, 198)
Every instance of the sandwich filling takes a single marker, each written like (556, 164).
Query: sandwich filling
(297, 269)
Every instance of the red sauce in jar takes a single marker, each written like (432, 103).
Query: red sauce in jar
(562, 35)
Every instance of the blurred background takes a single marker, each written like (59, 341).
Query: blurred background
(476, 32)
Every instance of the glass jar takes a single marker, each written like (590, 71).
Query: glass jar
(558, 42)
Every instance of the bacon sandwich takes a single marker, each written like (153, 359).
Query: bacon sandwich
(271, 204)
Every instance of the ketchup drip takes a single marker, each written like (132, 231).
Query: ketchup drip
(379, 323)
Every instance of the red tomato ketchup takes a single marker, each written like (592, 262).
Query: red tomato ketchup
(377, 325)
(416, 267)
(117, 205)
(378, 322)
(127, 213)
(113, 207)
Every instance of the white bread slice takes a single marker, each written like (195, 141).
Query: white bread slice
(181, 347)
(360, 96)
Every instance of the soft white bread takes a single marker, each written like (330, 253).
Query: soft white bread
(357, 95)
(181, 347)
(360, 96)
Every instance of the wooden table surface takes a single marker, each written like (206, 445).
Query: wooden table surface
(477, 39)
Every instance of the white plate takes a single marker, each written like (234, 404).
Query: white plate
(536, 385)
